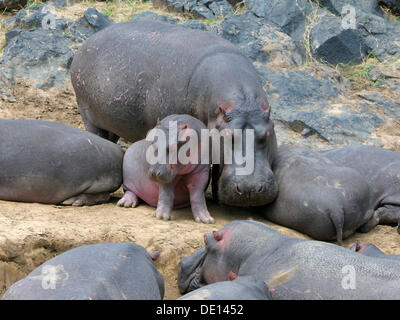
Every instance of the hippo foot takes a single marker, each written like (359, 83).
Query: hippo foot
(87, 199)
(129, 200)
(162, 214)
(204, 217)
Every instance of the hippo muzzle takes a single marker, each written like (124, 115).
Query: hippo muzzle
(257, 189)
(189, 275)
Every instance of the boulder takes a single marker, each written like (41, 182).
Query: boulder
(194, 24)
(331, 43)
(43, 53)
(221, 8)
(288, 15)
(257, 40)
(336, 6)
(154, 16)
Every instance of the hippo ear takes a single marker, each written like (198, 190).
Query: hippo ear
(232, 276)
(155, 255)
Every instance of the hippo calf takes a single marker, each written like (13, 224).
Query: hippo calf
(371, 250)
(381, 168)
(167, 185)
(161, 69)
(318, 197)
(292, 268)
(105, 271)
(242, 288)
(53, 163)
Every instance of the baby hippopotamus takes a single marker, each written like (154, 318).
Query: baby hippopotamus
(242, 288)
(103, 271)
(173, 184)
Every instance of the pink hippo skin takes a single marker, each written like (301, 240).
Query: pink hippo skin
(166, 186)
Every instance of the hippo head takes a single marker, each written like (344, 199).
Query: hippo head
(166, 171)
(255, 187)
(224, 253)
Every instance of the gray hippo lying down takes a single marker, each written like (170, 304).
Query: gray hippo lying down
(49, 162)
(292, 268)
(381, 168)
(323, 196)
(242, 288)
(168, 185)
(161, 69)
(105, 271)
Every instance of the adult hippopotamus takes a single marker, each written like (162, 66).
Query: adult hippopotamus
(104, 271)
(318, 197)
(163, 184)
(242, 288)
(381, 168)
(371, 250)
(292, 268)
(129, 75)
(49, 162)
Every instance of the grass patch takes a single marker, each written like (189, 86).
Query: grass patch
(360, 75)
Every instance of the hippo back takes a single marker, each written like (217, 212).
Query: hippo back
(106, 271)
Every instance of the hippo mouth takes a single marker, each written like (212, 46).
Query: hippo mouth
(189, 276)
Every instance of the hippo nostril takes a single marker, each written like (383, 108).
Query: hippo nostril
(261, 189)
(238, 190)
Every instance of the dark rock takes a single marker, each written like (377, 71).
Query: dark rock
(380, 35)
(96, 19)
(259, 41)
(221, 8)
(333, 44)
(154, 16)
(394, 5)
(44, 55)
(194, 24)
(201, 11)
(315, 107)
(34, 17)
(289, 15)
(12, 4)
(368, 6)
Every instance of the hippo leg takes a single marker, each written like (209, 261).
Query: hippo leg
(337, 219)
(389, 214)
(165, 201)
(371, 223)
(196, 185)
(89, 126)
(86, 199)
(128, 200)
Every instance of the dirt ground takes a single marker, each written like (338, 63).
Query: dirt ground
(33, 233)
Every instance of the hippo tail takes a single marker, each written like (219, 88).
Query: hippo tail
(337, 219)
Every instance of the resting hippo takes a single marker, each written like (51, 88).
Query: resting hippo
(381, 168)
(105, 271)
(317, 197)
(50, 162)
(369, 249)
(159, 69)
(292, 268)
(168, 185)
(242, 288)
